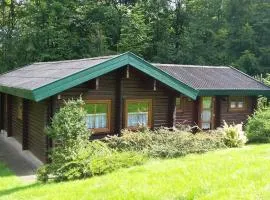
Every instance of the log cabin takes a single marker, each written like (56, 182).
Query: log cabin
(122, 91)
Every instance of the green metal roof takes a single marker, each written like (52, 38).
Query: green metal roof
(42, 80)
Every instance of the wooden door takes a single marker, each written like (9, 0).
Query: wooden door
(207, 113)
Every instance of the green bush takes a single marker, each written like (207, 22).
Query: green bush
(165, 143)
(90, 159)
(116, 160)
(68, 125)
(73, 155)
(234, 136)
(43, 174)
(258, 126)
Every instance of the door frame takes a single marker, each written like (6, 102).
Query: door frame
(213, 112)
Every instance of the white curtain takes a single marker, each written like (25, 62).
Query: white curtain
(96, 120)
(137, 118)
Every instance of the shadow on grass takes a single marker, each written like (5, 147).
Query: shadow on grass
(18, 189)
(4, 171)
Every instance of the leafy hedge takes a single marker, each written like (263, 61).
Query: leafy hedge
(234, 136)
(75, 157)
(88, 159)
(258, 126)
(165, 143)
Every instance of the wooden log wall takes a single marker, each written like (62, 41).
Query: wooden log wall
(136, 86)
(189, 113)
(37, 115)
(235, 116)
(17, 123)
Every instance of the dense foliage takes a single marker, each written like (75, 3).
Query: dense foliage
(234, 136)
(164, 143)
(86, 160)
(258, 126)
(73, 155)
(213, 32)
(68, 126)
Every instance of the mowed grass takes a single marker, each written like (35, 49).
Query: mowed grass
(225, 174)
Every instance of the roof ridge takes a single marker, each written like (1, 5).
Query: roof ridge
(183, 65)
(74, 60)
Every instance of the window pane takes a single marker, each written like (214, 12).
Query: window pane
(206, 116)
(137, 113)
(206, 125)
(233, 104)
(96, 108)
(96, 115)
(207, 101)
(138, 107)
(240, 104)
(237, 102)
(179, 103)
(137, 118)
(90, 108)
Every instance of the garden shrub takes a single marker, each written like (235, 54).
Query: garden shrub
(68, 124)
(234, 136)
(90, 159)
(258, 126)
(74, 156)
(165, 143)
(110, 162)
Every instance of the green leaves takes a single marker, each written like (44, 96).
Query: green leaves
(207, 32)
(68, 125)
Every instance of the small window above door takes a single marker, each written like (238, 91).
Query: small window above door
(180, 104)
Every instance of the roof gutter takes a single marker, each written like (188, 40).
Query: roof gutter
(233, 92)
(27, 94)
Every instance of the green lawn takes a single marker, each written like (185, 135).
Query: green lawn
(226, 174)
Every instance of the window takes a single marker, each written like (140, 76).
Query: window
(98, 115)
(138, 113)
(237, 103)
(20, 109)
(180, 104)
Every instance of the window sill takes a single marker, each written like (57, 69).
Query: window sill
(135, 128)
(100, 130)
(237, 110)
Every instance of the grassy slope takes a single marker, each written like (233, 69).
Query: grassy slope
(226, 174)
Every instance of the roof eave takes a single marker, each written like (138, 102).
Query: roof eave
(162, 76)
(233, 92)
(108, 66)
(27, 94)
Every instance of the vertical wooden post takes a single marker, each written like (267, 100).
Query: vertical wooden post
(172, 110)
(196, 112)
(51, 107)
(9, 115)
(119, 102)
(2, 110)
(155, 85)
(25, 137)
(254, 100)
(217, 113)
(97, 83)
